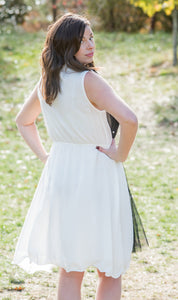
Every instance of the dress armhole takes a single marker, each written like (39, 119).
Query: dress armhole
(85, 95)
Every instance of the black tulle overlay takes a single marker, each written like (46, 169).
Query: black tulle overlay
(139, 234)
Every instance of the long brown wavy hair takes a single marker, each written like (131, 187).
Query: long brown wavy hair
(62, 43)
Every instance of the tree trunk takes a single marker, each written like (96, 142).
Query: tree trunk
(153, 22)
(54, 10)
(175, 16)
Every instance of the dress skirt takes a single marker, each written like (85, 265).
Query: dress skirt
(80, 215)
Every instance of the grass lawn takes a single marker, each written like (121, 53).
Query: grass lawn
(139, 67)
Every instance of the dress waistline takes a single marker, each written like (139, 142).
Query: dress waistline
(81, 144)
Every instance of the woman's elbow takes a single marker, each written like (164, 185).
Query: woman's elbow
(132, 120)
(18, 120)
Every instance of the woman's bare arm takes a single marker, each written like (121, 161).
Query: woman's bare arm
(25, 121)
(103, 97)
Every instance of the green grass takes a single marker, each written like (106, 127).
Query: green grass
(139, 67)
(167, 113)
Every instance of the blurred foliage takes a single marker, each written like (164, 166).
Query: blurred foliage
(128, 18)
(13, 11)
(164, 20)
(35, 14)
(150, 7)
(118, 14)
(122, 15)
(74, 5)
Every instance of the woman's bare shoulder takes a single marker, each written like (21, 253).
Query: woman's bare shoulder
(97, 89)
(102, 95)
(93, 79)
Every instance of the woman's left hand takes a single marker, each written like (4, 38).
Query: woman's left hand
(111, 151)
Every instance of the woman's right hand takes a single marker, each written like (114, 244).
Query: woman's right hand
(45, 159)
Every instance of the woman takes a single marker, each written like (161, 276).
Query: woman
(81, 212)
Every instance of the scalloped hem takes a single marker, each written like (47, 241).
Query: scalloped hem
(32, 267)
(107, 274)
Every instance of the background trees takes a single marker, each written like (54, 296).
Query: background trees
(113, 15)
(131, 15)
(118, 15)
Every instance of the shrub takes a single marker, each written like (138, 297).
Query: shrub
(164, 20)
(118, 15)
(128, 17)
(13, 11)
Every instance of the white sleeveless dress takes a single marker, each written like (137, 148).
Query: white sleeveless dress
(80, 215)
